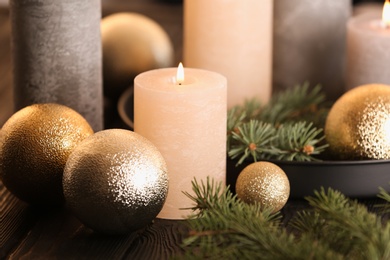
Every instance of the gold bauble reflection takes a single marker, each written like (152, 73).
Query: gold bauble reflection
(34, 147)
(115, 181)
(264, 183)
(358, 124)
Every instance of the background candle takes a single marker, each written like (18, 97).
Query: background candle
(187, 123)
(309, 44)
(56, 50)
(368, 55)
(233, 38)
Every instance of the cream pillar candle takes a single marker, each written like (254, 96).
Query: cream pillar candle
(368, 50)
(187, 123)
(234, 38)
(309, 44)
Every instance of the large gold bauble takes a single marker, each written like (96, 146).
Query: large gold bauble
(34, 147)
(358, 124)
(115, 181)
(132, 43)
(264, 183)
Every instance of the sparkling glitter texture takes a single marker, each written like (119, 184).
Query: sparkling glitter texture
(35, 144)
(264, 183)
(115, 181)
(358, 124)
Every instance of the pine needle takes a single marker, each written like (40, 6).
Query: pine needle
(280, 130)
(223, 227)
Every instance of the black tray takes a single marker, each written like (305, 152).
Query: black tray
(357, 179)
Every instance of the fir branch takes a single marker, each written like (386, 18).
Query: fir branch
(279, 130)
(346, 226)
(229, 228)
(262, 141)
(253, 139)
(222, 226)
(292, 104)
(299, 142)
(383, 194)
(253, 108)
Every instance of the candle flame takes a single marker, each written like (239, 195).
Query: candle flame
(386, 14)
(180, 74)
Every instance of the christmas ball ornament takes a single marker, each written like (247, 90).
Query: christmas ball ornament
(35, 144)
(358, 124)
(115, 181)
(264, 183)
(132, 43)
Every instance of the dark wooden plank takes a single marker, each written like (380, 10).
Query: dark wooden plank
(161, 240)
(58, 234)
(16, 219)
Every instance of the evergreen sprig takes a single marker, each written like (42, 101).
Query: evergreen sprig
(293, 104)
(346, 226)
(253, 139)
(299, 142)
(256, 140)
(289, 127)
(336, 227)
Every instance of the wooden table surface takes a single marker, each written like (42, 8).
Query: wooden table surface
(35, 233)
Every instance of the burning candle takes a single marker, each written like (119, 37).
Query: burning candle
(185, 117)
(368, 45)
(234, 38)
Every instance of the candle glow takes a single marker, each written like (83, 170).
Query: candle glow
(180, 74)
(187, 124)
(386, 14)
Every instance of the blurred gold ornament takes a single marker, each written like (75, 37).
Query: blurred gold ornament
(264, 183)
(132, 43)
(116, 181)
(34, 147)
(358, 124)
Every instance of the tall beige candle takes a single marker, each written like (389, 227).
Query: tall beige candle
(187, 123)
(309, 44)
(234, 38)
(368, 50)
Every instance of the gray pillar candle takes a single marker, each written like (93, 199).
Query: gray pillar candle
(309, 43)
(56, 51)
(368, 55)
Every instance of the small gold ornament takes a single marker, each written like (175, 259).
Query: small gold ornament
(358, 124)
(115, 181)
(35, 143)
(264, 183)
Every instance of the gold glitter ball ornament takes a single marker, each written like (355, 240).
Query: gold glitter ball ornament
(35, 143)
(264, 183)
(115, 181)
(132, 43)
(358, 124)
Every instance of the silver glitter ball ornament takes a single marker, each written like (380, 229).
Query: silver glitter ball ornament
(115, 181)
(264, 183)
